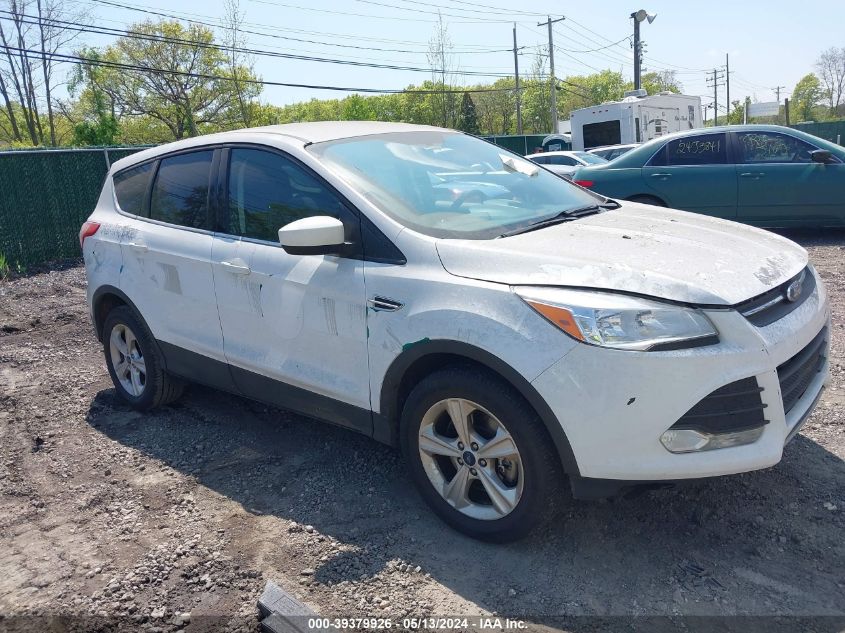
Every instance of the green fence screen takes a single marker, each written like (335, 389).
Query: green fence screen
(521, 144)
(830, 130)
(45, 196)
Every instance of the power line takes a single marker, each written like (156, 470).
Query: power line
(89, 61)
(173, 16)
(92, 29)
(594, 50)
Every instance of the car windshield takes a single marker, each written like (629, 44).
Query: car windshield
(590, 159)
(450, 185)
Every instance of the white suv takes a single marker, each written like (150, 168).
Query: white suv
(502, 326)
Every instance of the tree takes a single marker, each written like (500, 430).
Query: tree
(663, 81)
(356, 108)
(34, 31)
(806, 95)
(239, 62)
(441, 59)
(831, 67)
(468, 119)
(175, 75)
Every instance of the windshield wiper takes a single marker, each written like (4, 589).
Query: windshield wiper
(564, 216)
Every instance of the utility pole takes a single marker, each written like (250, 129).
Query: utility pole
(637, 58)
(637, 17)
(777, 90)
(715, 81)
(728, 86)
(549, 22)
(516, 78)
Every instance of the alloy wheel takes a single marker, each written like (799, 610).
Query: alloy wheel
(127, 360)
(471, 459)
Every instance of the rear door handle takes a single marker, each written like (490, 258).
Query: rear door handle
(236, 267)
(661, 175)
(752, 174)
(138, 246)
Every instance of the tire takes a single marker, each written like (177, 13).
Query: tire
(539, 477)
(656, 202)
(145, 384)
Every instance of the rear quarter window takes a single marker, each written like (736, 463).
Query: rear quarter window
(180, 192)
(130, 188)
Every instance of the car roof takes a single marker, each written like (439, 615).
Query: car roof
(563, 152)
(617, 146)
(307, 133)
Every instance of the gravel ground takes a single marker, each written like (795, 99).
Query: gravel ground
(176, 519)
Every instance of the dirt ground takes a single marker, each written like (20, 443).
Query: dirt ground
(176, 519)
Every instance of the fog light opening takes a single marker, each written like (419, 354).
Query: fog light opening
(693, 441)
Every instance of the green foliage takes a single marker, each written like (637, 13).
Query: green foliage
(663, 81)
(4, 267)
(806, 96)
(200, 93)
(468, 119)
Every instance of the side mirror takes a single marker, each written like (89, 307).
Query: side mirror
(319, 235)
(821, 156)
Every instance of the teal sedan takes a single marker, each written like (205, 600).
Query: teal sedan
(765, 175)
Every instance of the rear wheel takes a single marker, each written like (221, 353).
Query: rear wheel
(652, 200)
(134, 364)
(479, 454)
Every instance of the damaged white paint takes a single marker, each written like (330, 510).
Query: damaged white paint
(641, 249)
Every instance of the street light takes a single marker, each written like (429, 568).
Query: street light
(639, 16)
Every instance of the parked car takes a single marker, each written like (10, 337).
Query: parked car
(762, 175)
(610, 152)
(564, 163)
(500, 343)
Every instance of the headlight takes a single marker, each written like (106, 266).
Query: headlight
(620, 321)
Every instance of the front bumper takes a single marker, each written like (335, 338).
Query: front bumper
(614, 405)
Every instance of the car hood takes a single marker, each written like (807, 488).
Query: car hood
(639, 249)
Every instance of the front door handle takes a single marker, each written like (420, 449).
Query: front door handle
(138, 246)
(236, 267)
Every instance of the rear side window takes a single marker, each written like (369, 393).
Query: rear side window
(706, 149)
(180, 192)
(130, 187)
(268, 191)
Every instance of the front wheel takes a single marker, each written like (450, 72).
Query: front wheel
(479, 455)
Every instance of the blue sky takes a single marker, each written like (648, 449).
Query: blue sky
(770, 43)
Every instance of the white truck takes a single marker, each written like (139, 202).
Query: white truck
(636, 119)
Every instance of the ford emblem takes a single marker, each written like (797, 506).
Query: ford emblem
(793, 290)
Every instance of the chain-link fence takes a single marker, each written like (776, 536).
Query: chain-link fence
(45, 196)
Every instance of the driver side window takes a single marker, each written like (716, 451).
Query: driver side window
(771, 147)
(267, 191)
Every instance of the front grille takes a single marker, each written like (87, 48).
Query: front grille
(775, 304)
(734, 407)
(796, 374)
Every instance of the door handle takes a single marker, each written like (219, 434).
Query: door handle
(137, 246)
(236, 268)
(752, 174)
(661, 175)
